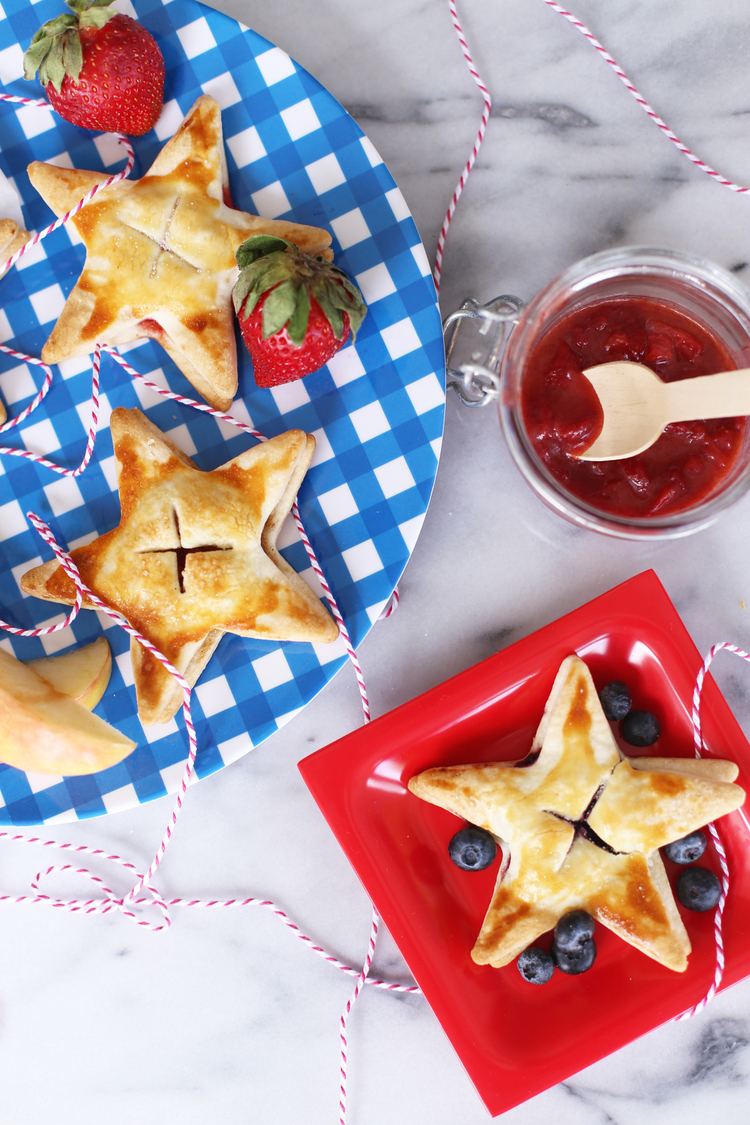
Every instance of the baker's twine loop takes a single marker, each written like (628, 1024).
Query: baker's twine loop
(143, 881)
(101, 905)
(41, 394)
(37, 458)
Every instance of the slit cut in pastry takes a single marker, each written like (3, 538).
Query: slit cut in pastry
(194, 556)
(160, 256)
(584, 825)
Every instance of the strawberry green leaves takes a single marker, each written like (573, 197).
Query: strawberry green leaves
(295, 312)
(56, 48)
(280, 306)
(255, 247)
(276, 269)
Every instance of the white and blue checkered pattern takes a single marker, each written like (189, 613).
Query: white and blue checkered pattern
(376, 409)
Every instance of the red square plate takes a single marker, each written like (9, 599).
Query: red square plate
(517, 1039)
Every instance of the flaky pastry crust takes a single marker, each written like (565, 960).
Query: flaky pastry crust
(160, 256)
(583, 824)
(194, 556)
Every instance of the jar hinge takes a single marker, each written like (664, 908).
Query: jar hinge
(475, 339)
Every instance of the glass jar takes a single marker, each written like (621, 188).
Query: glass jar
(702, 291)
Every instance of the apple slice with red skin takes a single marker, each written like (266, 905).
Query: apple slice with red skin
(83, 673)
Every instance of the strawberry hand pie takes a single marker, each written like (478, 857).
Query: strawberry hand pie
(584, 825)
(160, 256)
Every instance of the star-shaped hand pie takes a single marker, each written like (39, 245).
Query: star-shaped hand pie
(584, 825)
(194, 556)
(160, 256)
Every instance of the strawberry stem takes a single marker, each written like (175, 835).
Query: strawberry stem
(55, 50)
(276, 269)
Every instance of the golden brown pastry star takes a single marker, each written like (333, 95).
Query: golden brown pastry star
(584, 825)
(160, 256)
(194, 556)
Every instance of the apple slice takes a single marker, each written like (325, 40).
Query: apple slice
(83, 673)
(44, 731)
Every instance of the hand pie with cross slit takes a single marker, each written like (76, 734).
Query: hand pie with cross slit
(160, 256)
(194, 556)
(583, 826)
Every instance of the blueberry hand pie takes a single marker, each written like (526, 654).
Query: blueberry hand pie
(583, 825)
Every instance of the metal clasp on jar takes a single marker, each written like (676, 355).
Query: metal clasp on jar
(475, 339)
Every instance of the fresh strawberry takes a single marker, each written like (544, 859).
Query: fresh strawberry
(295, 311)
(100, 70)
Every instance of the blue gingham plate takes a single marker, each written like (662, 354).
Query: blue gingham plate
(376, 409)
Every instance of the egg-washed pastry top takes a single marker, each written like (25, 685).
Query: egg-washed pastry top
(160, 256)
(583, 825)
(194, 556)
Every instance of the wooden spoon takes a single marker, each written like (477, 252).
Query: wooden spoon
(637, 405)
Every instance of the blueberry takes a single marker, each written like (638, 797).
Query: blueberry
(616, 700)
(573, 931)
(574, 961)
(472, 849)
(535, 965)
(688, 849)
(640, 728)
(698, 888)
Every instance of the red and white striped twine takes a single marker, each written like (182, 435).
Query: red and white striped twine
(91, 439)
(716, 839)
(642, 101)
(436, 273)
(361, 979)
(110, 903)
(696, 160)
(40, 394)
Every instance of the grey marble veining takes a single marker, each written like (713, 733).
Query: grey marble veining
(228, 1017)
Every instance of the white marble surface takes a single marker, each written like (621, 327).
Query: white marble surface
(227, 1017)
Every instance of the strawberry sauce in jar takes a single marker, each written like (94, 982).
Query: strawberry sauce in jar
(562, 414)
(679, 315)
